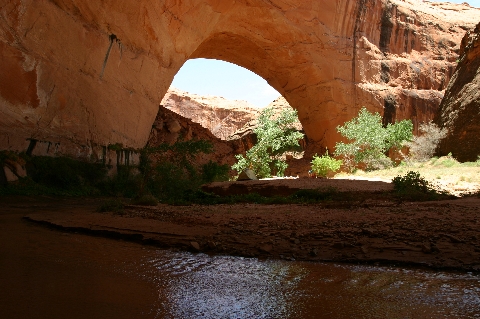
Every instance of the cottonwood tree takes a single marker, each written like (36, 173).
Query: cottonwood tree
(276, 135)
(369, 141)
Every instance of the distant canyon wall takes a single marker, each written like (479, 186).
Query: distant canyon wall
(220, 116)
(82, 74)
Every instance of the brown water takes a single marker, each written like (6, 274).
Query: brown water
(50, 274)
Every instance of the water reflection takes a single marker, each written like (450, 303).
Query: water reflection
(226, 287)
(199, 286)
(54, 275)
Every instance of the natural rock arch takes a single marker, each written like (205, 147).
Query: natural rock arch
(84, 73)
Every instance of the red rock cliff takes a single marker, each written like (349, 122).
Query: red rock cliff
(460, 108)
(84, 73)
(220, 116)
(170, 127)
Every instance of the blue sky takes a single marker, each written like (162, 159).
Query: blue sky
(213, 77)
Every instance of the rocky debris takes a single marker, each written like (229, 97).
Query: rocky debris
(247, 175)
(13, 170)
(83, 74)
(220, 116)
(460, 108)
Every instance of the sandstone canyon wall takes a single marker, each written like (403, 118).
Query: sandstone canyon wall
(460, 109)
(81, 74)
(170, 127)
(221, 116)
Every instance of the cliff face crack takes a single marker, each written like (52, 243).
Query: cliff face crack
(112, 37)
(361, 10)
(386, 27)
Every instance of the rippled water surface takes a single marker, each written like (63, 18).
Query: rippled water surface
(50, 274)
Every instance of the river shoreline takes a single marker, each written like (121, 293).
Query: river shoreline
(437, 234)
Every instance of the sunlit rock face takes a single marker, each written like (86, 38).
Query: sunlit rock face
(460, 109)
(220, 116)
(84, 73)
(170, 127)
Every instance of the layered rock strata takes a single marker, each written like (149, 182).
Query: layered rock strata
(220, 116)
(83, 74)
(460, 108)
(170, 127)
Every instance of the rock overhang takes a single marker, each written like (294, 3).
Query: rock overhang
(102, 68)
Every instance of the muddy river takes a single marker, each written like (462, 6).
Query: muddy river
(49, 274)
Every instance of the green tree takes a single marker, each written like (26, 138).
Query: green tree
(369, 140)
(276, 135)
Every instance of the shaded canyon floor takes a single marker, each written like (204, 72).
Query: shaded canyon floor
(370, 228)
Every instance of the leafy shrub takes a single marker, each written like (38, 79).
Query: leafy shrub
(166, 172)
(170, 173)
(56, 176)
(170, 181)
(324, 164)
(126, 183)
(275, 136)
(411, 182)
(369, 141)
(414, 187)
(214, 172)
(422, 147)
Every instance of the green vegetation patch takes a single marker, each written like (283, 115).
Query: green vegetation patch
(412, 186)
(369, 141)
(276, 135)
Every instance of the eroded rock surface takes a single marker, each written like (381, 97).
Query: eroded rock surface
(220, 116)
(460, 109)
(170, 127)
(82, 74)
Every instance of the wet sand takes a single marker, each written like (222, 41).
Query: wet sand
(373, 228)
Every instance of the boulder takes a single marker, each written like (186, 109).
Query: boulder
(247, 175)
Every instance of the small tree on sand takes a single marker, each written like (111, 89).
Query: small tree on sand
(276, 135)
(369, 141)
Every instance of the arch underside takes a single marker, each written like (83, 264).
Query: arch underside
(97, 70)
